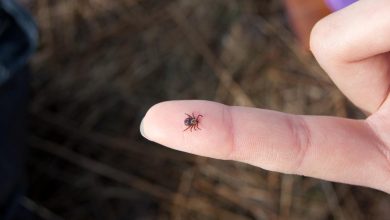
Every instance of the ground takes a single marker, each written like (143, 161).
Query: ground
(101, 64)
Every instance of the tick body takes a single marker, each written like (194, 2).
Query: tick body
(192, 122)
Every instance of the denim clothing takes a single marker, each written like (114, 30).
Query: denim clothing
(18, 39)
(13, 111)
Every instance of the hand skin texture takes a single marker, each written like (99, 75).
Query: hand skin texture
(352, 45)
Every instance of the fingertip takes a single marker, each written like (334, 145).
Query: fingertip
(151, 118)
(164, 124)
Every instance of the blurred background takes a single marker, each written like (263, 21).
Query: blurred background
(101, 64)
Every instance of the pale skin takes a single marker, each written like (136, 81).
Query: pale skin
(352, 46)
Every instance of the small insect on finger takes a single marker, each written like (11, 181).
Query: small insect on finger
(192, 122)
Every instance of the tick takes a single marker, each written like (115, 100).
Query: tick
(192, 122)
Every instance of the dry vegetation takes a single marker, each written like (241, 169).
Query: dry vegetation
(103, 63)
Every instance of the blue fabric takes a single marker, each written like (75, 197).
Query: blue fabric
(13, 111)
(336, 5)
(18, 39)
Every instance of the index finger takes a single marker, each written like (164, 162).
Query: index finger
(330, 148)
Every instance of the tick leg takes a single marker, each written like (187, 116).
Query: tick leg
(186, 129)
(197, 118)
(188, 115)
(198, 127)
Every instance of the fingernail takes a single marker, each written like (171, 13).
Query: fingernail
(141, 129)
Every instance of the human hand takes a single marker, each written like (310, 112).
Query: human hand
(353, 46)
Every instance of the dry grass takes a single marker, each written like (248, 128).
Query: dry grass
(103, 63)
